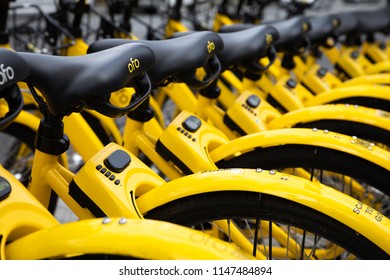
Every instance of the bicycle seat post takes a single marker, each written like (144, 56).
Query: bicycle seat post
(50, 137)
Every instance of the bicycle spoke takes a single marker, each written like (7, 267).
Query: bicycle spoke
(256, 237)
(303, 245)
(270, 241)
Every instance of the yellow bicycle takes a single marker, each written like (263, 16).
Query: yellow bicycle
(114, 182)
(28, 231)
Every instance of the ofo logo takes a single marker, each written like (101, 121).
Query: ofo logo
(133, 65)
(6, 74)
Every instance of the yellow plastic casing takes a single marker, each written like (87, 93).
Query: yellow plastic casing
(249, 119)
(114, 196)
(319, 80)
(348, 59)
(189, 151)
(20, 213)
(291, 98)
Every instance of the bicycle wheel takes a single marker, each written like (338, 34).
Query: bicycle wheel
(355, 176)
(274, 226)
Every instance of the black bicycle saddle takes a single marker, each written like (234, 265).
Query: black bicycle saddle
(244, 47)
(322, 28)
(176, 58)
(67, 83)
(371, 22)
(348, 30)
(293, 34)
(13, 68)
(348, 23)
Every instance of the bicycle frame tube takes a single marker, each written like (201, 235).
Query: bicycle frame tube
(78, 131)
(318, 80)
(379, 67)
(374, 52)
(346, 60)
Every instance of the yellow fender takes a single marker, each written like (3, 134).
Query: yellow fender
(379, 67)
(314, 195)
(341, 112)
(380, 79)
(372, 91)
(141, 239)
(20, 212)
(303, 136)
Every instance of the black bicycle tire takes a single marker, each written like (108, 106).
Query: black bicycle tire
(307, 156)
(97, 127)
(197, 209)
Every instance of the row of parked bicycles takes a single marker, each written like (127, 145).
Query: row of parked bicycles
(235, 141)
